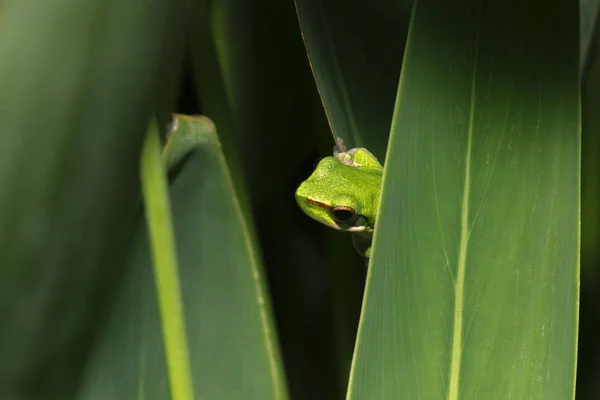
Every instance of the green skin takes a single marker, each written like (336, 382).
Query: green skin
(343, 193)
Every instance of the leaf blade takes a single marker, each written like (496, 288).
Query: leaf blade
(233, 350)
(518, 170)
(356, 69)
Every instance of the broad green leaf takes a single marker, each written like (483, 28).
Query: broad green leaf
(77, 83)
(355, 52)
(232, 345)
(473, 284)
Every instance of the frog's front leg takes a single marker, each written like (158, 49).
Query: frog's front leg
(362, 245)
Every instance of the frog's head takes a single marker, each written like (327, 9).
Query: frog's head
(341, 196)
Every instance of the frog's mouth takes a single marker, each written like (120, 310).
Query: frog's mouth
(322, 213)
(318, 204)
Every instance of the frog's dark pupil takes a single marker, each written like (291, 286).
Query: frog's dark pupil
(343, 214)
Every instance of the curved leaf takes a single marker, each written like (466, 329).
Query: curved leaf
(232, 344)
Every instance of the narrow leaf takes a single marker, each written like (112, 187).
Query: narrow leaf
(166, 274)
(355, 53)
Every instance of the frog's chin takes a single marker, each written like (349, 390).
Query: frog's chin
(362, 229)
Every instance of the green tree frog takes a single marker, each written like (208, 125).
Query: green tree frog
(343, 193)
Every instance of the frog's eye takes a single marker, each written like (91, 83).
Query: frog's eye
(343, 215)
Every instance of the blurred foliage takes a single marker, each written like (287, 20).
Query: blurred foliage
(259, 56)
(78, 83)
(231, 343)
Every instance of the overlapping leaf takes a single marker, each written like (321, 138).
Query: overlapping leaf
(231, 341)
(473, 282)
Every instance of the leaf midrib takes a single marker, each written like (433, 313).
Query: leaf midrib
(459, 285)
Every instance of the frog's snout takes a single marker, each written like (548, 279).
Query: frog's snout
(301, 194)
(300, 197)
